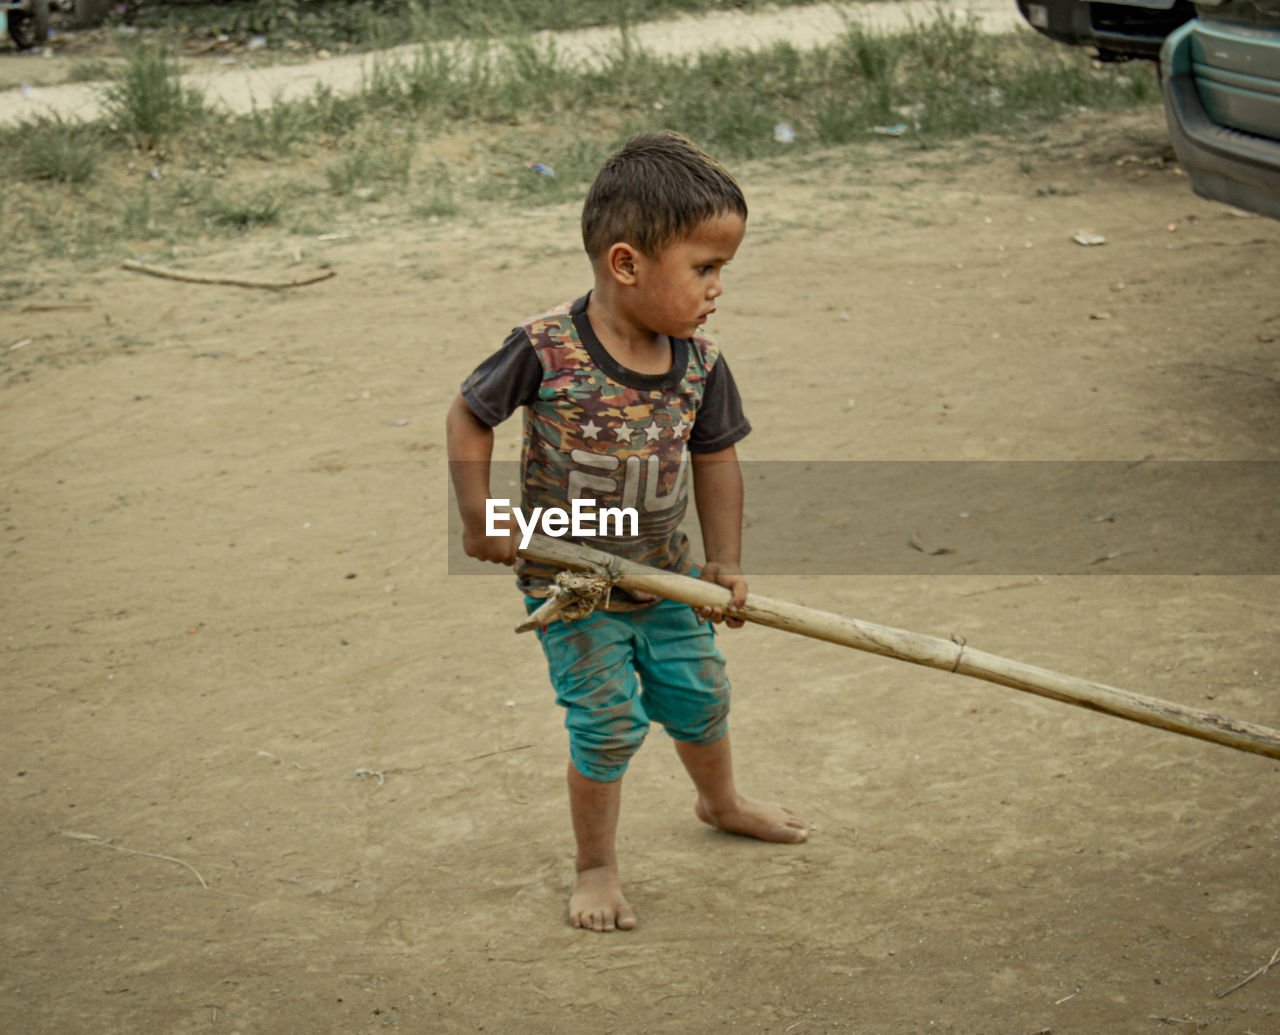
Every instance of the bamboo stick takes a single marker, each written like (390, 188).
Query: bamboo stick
(919, 649)
(548, 612)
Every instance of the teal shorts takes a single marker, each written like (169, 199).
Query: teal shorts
(616, 672)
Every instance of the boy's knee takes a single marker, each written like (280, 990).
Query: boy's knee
(601, 743)
(710, 725)
(600, 768)
(603, 761)
(696, 715)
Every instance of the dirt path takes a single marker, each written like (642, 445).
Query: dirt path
(269, 769)
(239, 87)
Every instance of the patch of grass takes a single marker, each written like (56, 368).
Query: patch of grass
(277, 130)
(137, 218)
(375, 160)
(428, 136)
(835, 121)
(872, 63)
(14, 288)
(435, 206)
(58, 149)
(427, 83)
(1061, 82)
(149, 103)
(89, 71)
(242, 211)
(336, 116)
(38, 220)
(491, 83)
(349, 173)
(435, 197)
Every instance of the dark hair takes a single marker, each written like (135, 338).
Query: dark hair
(653, 192)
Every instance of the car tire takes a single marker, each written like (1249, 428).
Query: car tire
(30, 28)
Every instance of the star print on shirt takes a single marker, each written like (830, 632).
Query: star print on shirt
(653, 432)
(591, 430)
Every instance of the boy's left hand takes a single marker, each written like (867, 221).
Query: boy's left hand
(730, 576)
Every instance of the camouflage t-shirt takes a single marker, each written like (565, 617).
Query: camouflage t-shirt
(593, 428)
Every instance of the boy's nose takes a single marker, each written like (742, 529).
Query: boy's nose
(716, 289)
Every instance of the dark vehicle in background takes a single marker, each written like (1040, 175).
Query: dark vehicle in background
(25, 21)
(1220, 75)
(1118, 31)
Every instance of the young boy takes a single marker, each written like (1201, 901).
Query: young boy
(622, 395)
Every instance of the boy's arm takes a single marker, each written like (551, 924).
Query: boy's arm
(717, 493)
(470, 446)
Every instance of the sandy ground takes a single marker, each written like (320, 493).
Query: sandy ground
(270, 768)
(36, 83)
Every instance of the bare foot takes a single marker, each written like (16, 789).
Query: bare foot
(762, 819)
(597, 903)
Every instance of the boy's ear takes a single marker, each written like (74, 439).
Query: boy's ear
(622, 260)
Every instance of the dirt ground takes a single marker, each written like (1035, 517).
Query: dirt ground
(270, 768)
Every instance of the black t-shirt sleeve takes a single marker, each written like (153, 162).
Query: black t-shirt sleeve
(505, 381)
(721, 422)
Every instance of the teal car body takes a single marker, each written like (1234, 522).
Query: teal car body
(1221, 81)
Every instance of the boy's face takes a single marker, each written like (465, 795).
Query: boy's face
(677, 291)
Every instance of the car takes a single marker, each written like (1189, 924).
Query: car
(1220, 76)
(25, 21)
(1118, 31)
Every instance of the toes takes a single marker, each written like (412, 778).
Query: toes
(799, 829)
(605, 920)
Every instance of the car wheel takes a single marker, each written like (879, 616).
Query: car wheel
(30, 28)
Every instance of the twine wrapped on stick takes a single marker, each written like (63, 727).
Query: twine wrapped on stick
(948, 655)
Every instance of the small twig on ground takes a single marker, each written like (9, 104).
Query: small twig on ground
(500, 751)
(411, 553)
(382, 774)
(94, 839)
(218, 278)
(1275, 958)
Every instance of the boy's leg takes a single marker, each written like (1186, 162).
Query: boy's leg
(719, 804)
(590, 663)
(597, 902)
(685, 688)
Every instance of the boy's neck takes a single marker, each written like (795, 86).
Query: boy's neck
(631, 345)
